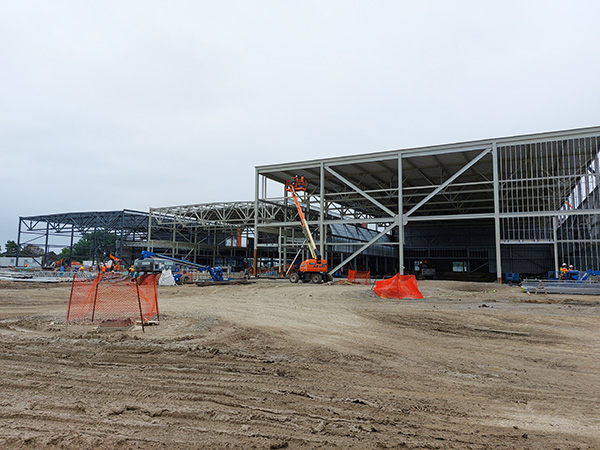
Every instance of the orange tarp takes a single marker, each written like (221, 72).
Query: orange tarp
(399, 286)
(356, 276)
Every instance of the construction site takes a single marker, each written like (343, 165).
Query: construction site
(499, 349)
(473, 210)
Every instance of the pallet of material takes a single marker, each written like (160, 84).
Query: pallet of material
(223, 283)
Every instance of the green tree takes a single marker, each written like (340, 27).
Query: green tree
(11, 248)
(94, 245)
(64, 253)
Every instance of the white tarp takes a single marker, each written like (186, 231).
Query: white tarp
(166, 278)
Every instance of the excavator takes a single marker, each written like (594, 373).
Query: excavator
(314, 269)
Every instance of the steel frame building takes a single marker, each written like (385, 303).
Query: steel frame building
(521, 203)
(202, 232)
(129, 227)
(211, 233)
(514, 204)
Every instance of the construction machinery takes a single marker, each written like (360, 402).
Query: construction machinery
(575, 282)
(151, 262)
(56, 265)
(314, 269)
(115, 263)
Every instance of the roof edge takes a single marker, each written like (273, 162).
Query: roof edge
(441, 147)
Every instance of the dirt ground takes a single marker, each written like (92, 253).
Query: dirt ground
(276, 365)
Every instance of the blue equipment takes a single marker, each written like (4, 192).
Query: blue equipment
(574, 275)
(582, 276)
(512, 277)
(147, 263)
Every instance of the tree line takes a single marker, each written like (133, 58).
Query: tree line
(91, 246)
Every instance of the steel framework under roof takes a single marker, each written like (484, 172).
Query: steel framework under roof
(495, 203)
(534, 189)
(201, 229)
(191, 229)
(130, 228)
(205, 227)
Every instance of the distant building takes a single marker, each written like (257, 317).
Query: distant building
(10, 261)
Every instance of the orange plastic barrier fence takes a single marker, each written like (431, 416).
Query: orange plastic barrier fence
(112, 297)
(399, 286)
(356, 276)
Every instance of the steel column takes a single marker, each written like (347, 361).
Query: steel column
(497, 213)
(149, 231)
(555, 246)
(71, 247)
(322, 236)
(400, 219)
(19, 243)
(46, 243)
(256, 194)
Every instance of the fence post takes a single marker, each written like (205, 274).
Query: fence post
(70, 297)
(99, 276)
(155, 283)
(137, 288)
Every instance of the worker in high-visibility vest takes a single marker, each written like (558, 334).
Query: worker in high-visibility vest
(572, 274)
(564, 271)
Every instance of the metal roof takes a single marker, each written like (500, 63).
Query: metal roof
(425, 168)
(89, 220)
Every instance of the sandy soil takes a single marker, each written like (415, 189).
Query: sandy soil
(276, 365)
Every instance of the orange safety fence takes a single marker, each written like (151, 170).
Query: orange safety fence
(356, 276)
(113, 297)
(399, 286)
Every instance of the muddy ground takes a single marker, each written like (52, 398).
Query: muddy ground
(276, 365)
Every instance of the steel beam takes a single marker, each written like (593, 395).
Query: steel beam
(474, 216)
(555, 246)
(400, 218)
(360, 191)
(361, 249)
(322, 234)
(497, 213)
(434, 149)
(442, 186)
(256, 194)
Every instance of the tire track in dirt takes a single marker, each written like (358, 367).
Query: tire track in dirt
(195, 399)
(378, 375)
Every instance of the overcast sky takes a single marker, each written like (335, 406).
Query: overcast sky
(109, 105)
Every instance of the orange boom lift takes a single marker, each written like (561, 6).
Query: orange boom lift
(116, 262)
(314, 269)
